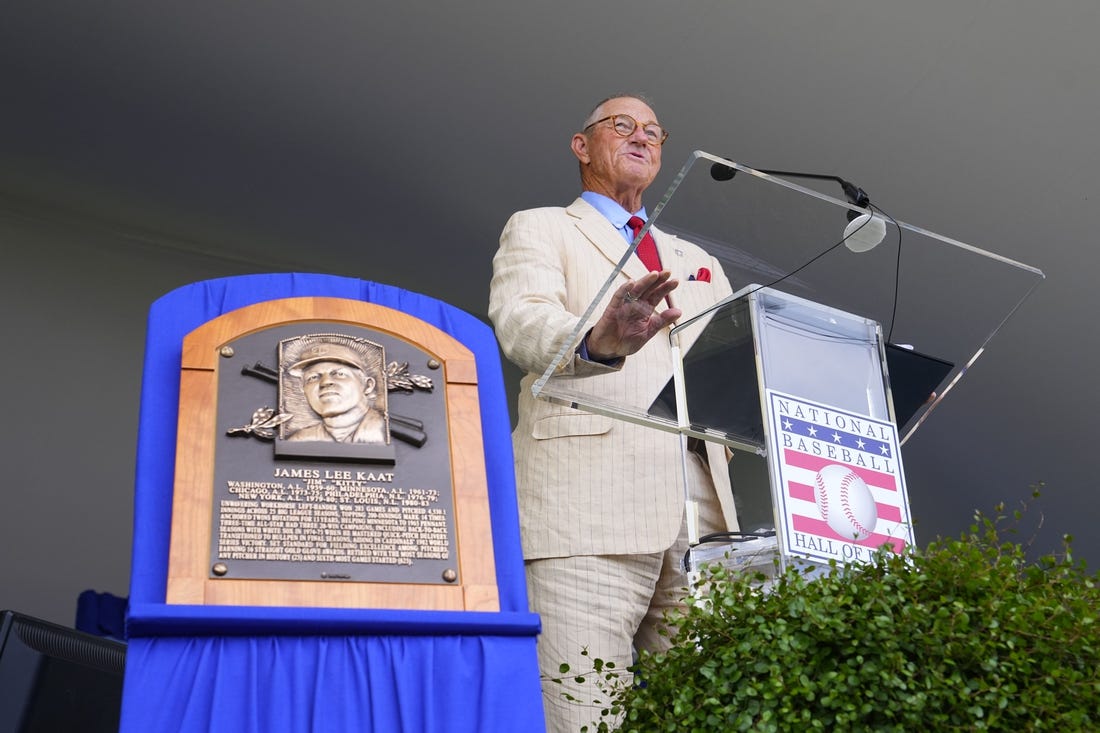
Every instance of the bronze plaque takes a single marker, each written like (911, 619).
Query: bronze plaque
(332, 460)
(329, 452)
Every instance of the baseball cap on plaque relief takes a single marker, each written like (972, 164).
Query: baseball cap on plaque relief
(840, 486)
(322, 468)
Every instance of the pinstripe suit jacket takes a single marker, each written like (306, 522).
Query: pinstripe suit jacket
(588, 484)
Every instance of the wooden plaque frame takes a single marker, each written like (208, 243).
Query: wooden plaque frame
(189, 580)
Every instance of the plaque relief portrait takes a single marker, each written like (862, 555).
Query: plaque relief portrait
(333, 387)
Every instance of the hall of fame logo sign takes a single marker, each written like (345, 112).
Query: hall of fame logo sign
(840, 489)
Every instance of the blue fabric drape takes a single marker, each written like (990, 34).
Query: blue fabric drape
(240, 669)
(260, 684)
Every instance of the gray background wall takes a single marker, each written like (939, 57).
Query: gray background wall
(147, 145)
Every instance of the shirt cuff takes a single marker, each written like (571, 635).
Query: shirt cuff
(582, 352)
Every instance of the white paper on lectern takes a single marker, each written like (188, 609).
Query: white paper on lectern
(844, 367)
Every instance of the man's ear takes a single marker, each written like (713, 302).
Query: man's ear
(368, 385)
(579, 144)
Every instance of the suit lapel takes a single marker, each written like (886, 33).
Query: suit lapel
(604, 237)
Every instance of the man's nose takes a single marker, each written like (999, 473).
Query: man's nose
(638, 136)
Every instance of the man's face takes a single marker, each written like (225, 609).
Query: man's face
(333, 388)
(621, 162)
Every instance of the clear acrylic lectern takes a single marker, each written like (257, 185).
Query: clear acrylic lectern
(863, 340)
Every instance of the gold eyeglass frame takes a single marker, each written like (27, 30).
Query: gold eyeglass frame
(634, 126)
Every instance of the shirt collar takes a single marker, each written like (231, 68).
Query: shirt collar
(611, 209)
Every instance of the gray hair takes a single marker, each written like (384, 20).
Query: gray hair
(595, 113)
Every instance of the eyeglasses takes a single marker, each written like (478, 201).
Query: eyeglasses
(624, 126)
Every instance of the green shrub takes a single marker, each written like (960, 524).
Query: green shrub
(964, 635)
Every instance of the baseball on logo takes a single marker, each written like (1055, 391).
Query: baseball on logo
(845, 502)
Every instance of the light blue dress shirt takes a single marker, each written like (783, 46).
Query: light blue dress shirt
(614, 213)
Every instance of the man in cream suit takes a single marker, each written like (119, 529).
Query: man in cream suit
(602, 500)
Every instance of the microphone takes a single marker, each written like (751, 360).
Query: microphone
(864, 231)
(722, 172)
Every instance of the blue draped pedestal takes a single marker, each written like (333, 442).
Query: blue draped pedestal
(261, 670)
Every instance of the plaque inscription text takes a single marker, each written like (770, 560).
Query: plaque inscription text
(341, 521)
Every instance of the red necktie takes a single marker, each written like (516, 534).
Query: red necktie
(647, 248)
